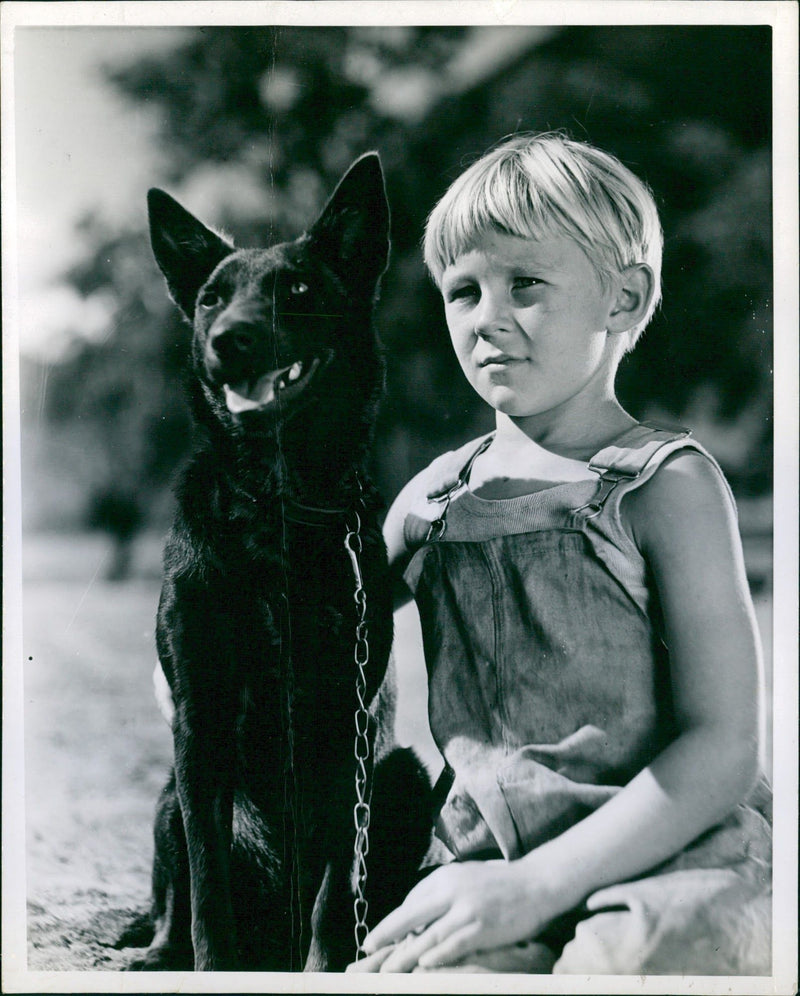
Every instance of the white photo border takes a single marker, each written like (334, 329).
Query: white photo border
(782, 16)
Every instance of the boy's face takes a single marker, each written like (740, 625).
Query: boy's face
(527, 319)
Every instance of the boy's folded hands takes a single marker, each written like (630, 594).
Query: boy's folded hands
(460, 909)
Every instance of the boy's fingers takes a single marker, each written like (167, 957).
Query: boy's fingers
(372, 962)
(404, 956)
(452, 949)
(407, 954)
(392, 930)
(413, 915)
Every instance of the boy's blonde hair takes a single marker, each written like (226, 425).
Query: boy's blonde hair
(547, 184)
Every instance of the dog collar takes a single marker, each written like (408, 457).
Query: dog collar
(308, 515)
(366, 497)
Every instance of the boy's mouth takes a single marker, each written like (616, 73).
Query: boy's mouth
(263, 392)
(498, 359)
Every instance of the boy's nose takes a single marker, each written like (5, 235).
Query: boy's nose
(492, 318)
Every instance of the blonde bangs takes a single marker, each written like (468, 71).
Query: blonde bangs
(496, 197)
(534, 186)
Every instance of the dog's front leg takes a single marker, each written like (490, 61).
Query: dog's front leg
(333, 944)
(204, 769)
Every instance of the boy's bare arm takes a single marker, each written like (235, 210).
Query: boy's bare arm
(396, 546)
(683, 522)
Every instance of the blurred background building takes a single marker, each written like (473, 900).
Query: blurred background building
(251, 128)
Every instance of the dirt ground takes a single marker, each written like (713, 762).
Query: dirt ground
(97, 749)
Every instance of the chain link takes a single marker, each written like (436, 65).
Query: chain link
(361, 810)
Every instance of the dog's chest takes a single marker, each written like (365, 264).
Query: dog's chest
(294, 609)
(299, 681)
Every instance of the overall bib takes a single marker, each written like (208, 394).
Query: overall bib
(549, 690)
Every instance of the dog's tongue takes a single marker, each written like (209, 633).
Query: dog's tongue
(247, 397)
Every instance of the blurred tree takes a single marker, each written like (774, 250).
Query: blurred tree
(124, 386)
(259, 123)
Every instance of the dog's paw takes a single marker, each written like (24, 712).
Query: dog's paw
(162, 959)
(137, 933)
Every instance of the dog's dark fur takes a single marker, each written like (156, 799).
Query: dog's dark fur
(257, 620)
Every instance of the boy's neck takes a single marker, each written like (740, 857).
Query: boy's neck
(564, 437)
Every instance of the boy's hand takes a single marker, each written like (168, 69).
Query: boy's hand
(457, 910)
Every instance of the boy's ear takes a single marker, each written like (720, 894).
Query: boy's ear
(635, 289)
(186, 251)
(352, 232)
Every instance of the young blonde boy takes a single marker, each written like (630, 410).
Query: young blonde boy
(592, 655)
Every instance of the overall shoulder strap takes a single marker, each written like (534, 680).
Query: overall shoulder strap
(630, 455)
(627, 458)
(445, 493)
(455, 483)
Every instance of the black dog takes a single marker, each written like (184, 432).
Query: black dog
(259, 624)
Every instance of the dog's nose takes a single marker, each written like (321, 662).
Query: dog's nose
(234, 341)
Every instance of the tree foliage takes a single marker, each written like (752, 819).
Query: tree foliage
(259, 123)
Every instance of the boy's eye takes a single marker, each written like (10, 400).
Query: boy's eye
(463, 292)
(209, 299)
(522, 283)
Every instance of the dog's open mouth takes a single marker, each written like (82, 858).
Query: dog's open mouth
(277, 386)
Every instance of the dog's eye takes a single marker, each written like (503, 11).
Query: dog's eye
(298, 287)
(209, 299)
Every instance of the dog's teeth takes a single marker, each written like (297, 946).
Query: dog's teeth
(290, 375)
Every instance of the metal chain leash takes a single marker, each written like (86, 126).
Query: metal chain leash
(361, 810)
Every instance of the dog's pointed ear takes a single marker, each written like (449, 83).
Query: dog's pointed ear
(186, 251)
(353, 230)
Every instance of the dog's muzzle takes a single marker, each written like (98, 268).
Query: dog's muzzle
(277, 386)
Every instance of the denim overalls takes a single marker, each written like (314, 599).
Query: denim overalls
(549, 690)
